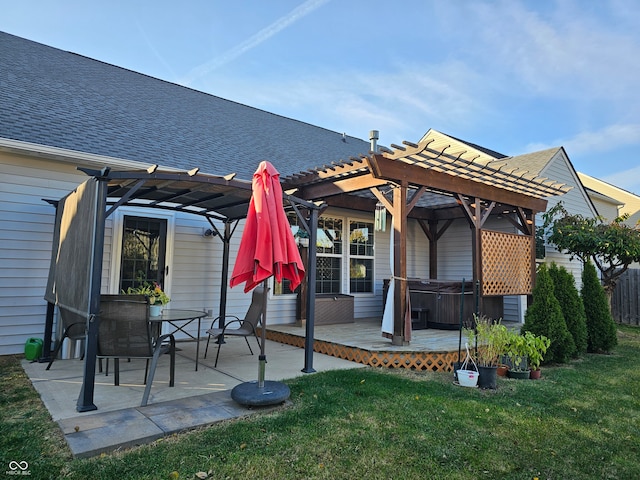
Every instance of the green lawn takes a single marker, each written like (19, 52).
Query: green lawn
(581, 421)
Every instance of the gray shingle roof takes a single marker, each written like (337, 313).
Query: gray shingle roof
(57, 98)
(533, 162)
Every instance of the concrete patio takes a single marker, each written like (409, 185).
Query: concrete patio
(204, 397)
(198, 398)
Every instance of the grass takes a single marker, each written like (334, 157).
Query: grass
(582, 420)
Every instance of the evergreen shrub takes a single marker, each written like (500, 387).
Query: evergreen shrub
(572, 307)
(544, 317)
(601, 328)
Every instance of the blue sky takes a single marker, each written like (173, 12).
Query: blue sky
(513, 76)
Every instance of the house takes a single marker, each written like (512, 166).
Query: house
(60, 111)
(612, 201)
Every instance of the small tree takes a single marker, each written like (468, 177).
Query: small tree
(612, 247)
(601, 329)
(544, 317)
(572, 307)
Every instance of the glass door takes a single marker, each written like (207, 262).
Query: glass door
(143, 253)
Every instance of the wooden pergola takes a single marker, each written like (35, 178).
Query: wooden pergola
(435, 183)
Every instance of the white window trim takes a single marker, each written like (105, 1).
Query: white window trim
(345, 258)
(348, 257)
(117, 219)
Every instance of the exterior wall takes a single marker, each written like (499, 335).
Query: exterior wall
(455, 253)
(417, 251)
(607, 210)
(575, 201)
(26, 230)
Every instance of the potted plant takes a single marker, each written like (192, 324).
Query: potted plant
(157, 297)
(537, 346)
(517, 352)
(490, 338)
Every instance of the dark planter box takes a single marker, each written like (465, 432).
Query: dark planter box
(333, 308)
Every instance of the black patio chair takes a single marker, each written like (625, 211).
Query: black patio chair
(125, 332)
(247, 327)
(74, 327)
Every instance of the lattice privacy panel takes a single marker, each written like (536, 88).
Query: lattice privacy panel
(506, 263)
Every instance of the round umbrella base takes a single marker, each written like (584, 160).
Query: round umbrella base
(250, 394)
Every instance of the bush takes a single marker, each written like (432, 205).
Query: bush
(601, 329)
(544, 317)
(572, 307)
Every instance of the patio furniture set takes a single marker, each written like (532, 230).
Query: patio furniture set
(127, 330)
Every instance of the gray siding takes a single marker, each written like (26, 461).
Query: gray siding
(575, 201)
(26, 229)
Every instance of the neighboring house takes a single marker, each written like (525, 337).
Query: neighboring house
(613, 202)
(612, 196)
(60, 111)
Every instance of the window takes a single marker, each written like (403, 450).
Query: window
(360, 257)
(334, 254)
(329, 255)
(284, 287)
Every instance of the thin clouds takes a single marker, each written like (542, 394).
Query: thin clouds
(262, 36)
(512, 63)
(628, 180)
(153, 49)
(608, 145)
(603, 140)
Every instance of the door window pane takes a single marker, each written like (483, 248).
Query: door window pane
(143, 251)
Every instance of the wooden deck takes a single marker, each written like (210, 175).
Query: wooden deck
(362, 342)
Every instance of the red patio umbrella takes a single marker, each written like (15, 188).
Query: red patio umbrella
(267, 248)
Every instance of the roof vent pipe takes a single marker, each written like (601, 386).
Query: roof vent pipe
(374, 135)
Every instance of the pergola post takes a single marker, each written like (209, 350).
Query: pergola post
(400, 335)
(311, 293)
(85, 399)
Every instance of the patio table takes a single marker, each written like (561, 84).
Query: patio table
(178, 320)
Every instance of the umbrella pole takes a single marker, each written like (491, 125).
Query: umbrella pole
(261, 393)
(262, 359)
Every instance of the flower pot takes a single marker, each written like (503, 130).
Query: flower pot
(467, 378)
(488, 377)
(155, 310)
(535, 374)
(502, 370)
(519, 374)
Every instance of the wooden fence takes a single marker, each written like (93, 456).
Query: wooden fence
(625, 302)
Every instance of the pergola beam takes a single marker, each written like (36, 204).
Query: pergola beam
(398, 171)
